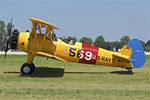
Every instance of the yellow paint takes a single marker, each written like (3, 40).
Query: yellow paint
(43, 45)
(126, 51)
(49, 56)
(43, 23)
(63, 50)
(23, 39)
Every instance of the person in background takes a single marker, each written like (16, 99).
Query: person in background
(70, 40)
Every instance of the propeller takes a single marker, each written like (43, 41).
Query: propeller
(11, 39)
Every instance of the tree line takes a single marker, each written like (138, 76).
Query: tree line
(99, 41)
(4, 28)
(102, 43)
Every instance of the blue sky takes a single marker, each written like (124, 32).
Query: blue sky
(110, 18)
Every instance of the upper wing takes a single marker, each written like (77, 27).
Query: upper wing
(49, 56)
(38, 21)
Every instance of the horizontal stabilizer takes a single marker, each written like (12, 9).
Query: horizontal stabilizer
(121, 56)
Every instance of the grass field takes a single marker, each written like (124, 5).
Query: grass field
(55, 80)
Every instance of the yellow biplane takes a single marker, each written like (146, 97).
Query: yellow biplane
(40, 42)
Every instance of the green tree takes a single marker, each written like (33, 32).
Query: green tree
(86, 40)
(107, 46)
(124, 40)
(99, 41)
(5, 33)
(147, 49)
(116, 45)
(8, 26)
(74, 39)
(144, 45)
(64, 39)
(148, 46)
(148, 43)
(2, 33)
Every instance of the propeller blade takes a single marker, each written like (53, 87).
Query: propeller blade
(8, 38)
(6, 49)
(9, 31)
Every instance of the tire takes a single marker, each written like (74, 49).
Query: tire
(32, 67)
(130, 71)
(26, 69)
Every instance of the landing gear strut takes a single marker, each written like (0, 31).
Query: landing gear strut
(130, 71)
(27, 68)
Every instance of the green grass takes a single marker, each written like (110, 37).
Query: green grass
(55, 80)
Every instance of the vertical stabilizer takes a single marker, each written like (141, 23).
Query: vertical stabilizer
(138, 55)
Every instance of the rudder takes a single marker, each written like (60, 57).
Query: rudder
(138, 55)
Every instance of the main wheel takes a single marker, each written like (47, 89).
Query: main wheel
(27, 69)
(32, 67)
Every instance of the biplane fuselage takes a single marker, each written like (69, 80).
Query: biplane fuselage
(79, 52)
(36, 43)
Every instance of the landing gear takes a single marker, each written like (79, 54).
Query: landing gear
(130, 71)
(27, 68)
(33, 67)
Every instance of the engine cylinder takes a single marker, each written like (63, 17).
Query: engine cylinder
(14, 39)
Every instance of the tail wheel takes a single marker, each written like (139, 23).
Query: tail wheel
(130, 71)
(27, 68)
